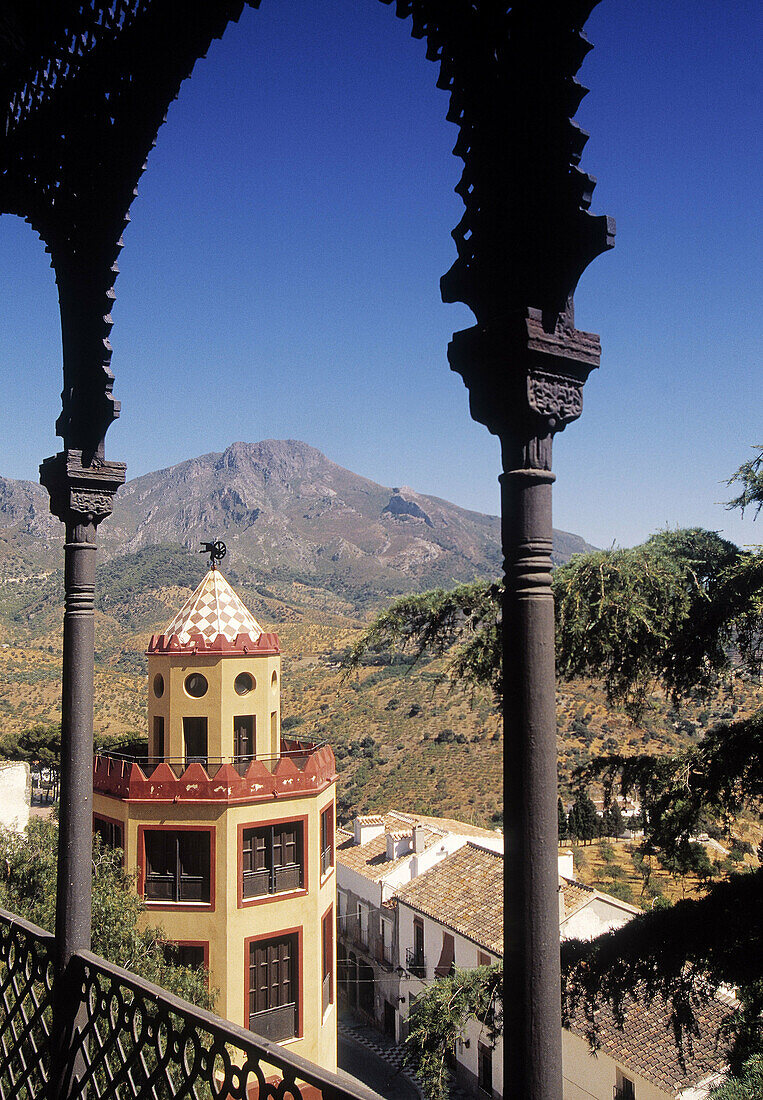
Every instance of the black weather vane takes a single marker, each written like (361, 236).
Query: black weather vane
(216, 550)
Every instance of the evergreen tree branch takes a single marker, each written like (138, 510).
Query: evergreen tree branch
(750, 475)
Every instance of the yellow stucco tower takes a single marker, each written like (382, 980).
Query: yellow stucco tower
(228, 827)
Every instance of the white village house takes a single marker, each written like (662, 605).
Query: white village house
(455, 912)
(375, 856)
(417, 898)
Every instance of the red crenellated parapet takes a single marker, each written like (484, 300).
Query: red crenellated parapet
(305, 770)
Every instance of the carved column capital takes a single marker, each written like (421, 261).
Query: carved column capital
(81, 495)
(525, 382)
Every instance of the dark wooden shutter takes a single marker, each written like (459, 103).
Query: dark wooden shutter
(328, 959)
(243, 737)
(195, 739)
(247, 851)
(288, 844)
(418, 938)
(158, 735)
(287, 856)
(274, 975)
(160, 865)
(447, 956)
(110, 832)
(485, 1068)
(261, 850)
(285, 972)
(258, 977)
(193, 866)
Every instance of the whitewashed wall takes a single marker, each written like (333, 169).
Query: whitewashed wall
(15, 795)
(590, 1076)
(466, 956)
(599, 915)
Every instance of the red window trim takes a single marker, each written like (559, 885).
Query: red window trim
(277, 934)
(327, 922)
(245, 903)
(195, 943)
(176, 906)
(114, 821)
(329, 809)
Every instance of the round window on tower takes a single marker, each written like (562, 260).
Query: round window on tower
(158, 685)
(244, 683)
(196, 685)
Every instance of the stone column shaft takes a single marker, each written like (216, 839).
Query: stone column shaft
(532, 1032)
(81, 496)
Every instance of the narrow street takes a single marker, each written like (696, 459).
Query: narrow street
(378, 1071)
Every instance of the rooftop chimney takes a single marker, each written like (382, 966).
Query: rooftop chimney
(398, 844)
(366, 828)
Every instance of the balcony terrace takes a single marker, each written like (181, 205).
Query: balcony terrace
(302, 767)
(84, 87)
(133, 1039)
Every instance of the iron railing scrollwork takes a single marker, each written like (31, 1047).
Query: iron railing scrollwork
(26, 981)
(134, 1039)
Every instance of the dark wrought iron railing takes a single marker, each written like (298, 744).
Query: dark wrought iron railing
(285, 877)
(275, 1024)
(133, 1039)
(300, 765)
(416, 963)
(26, 988)
(297, 751)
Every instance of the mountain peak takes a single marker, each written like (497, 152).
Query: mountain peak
(288, 512)
(283, 458)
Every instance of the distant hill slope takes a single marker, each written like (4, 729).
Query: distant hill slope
(288, 514)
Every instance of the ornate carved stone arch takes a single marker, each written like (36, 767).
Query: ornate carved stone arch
(84, 88)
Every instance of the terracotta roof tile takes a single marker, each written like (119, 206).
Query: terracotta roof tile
(465, 893)
(575, 895)
(448, 825)
(370, 859)
(646, 1043)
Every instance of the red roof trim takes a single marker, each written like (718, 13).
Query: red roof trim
(267, 645)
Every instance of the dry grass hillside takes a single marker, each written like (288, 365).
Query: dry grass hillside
(615, 867)
(402, 736)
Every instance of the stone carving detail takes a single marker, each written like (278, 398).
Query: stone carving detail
(77, 490)
(557, 398)
(89, 502)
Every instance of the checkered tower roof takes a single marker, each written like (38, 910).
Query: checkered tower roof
(213, 609)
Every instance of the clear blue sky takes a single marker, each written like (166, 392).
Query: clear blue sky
(280, 277)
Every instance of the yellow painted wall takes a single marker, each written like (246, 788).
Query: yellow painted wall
(281, 913)
(220, 704)
(226, 926)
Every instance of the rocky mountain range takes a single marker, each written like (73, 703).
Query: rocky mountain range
(284, 510)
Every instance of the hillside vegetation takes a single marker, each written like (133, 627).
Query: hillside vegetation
(403, 736)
